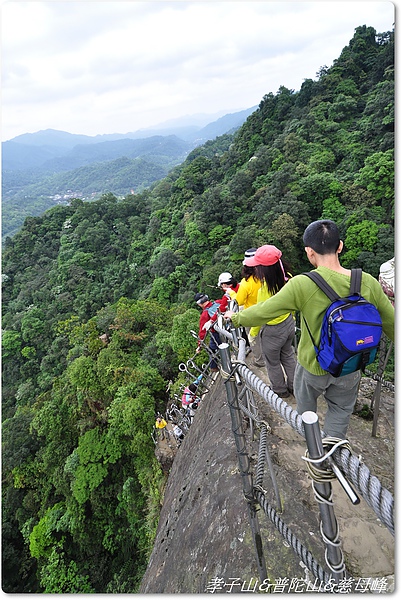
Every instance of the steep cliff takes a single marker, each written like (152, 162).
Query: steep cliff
(204, 541)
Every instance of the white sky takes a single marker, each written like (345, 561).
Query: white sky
(100, 67)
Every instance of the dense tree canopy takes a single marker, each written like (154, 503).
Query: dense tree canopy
(98, 308)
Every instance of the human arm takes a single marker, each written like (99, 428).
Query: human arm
(208, 324)
(204, 317)
(286, 300)
(223, 305)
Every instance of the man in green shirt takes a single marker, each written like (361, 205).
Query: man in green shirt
(300, 294)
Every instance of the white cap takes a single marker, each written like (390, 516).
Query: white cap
(224, 278)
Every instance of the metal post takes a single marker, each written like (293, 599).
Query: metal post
(252, 409)
(263, 455)
(243, 459)
(323, 492)
(241, 350)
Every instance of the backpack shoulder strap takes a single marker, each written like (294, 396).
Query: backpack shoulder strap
(356, 280)
(213, 308)
(323, 285)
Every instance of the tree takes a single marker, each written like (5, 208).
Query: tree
(285, 234)
(360, 237)
(181, 340)
(163, 262)
(11, 344)
(378, 177)
(60, 576)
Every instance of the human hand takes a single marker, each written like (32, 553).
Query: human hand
(228, 314)
(207, 325)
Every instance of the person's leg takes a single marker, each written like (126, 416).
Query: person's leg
(287, 356)
(213, 346)
(254, 342)
(307, 388)
(271, 342)
(340, 395)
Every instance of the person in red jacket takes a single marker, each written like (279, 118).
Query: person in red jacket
(209, 309)
(227, 283)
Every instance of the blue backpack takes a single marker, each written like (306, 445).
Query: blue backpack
(213, 308)
(351, 329)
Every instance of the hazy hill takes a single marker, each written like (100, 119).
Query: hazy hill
(199, 135)
(34, 164)
(31, 150)
(121, 176)
(60, 140)
(48, 158)
(165, 150)
(22, 157)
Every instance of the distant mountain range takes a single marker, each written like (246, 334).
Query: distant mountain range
(52, 150)
(49, 159)
(48, 167)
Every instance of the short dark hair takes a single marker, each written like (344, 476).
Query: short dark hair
(232, 282)
(322, 236)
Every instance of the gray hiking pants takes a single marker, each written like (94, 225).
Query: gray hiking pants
(255, 345)
(340, 394)
(278, 353)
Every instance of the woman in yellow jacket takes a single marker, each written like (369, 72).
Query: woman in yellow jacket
(161, 426)
(277, 336)
(247, 295)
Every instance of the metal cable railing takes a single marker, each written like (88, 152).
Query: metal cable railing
(370, 487)
(339, 461)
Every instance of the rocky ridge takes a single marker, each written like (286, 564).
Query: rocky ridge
(204, 542)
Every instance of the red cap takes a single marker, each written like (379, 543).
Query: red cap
(265, 255)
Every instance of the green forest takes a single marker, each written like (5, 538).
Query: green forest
(89, 172)
(82, 489)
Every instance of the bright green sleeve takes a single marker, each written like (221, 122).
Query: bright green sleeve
(286, 300)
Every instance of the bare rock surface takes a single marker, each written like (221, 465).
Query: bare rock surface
(204, 541)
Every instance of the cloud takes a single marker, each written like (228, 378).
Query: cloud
(103, 66)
